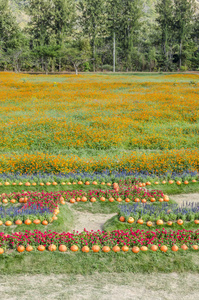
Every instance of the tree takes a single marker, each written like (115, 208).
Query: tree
(195, 39)
(152, 58)
(114, 10)
(77, 53)
(165, 21)
(92, 19)
(129, 26)
(41, 22)
(64, 21)
(46, 52)
(12, 41)
(50, 23)
(184, 11)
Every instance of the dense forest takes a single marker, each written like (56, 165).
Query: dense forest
(99, 35)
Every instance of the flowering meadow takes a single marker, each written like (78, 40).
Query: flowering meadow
(95, 123)
(99, 144)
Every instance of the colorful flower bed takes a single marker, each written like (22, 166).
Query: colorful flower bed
(105, 241)
(105, 176)
(43, 199)
(51, 199)
(37, 208)
(26, 214)
(150, 215)
(128, 194)
(151, 162)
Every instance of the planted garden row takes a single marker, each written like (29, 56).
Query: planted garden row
(159, 214)
(80, 182)
(127, 237)
(105, 249)
(127, 193)
(28, 213)
(28, 208)
(159, 222)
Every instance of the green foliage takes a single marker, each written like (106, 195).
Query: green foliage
(77, 52)
(89, 263)
(160, 35)
(13, 43)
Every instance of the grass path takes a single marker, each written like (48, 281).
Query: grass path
(116, 286)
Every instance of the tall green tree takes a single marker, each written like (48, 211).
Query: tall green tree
(93, 20)
(77, 52)
(165, 22)
(114, 15)
(129, 28)
(41, 21)
(50, 23)
(195, 39)
(64, 21)
(184, 11)
(12, 40)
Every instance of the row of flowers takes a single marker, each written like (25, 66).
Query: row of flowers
(41, 200)
(28, 220)
(152, 162)
(166, 212)
(158, 222)
(120, 238)
(52, 199)
(105, 249)
(26, 213)
(179, 181)
(105, 176)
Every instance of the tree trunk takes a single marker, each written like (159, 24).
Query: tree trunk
(53, 65)
(114, 52)
(15, 68)
(60, 64)
(94, 56)
(76, 70)
(46, 66)
(180, 62)
(42, 64)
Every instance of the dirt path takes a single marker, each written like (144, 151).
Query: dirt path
(90, 221)
(95, 222)
(104, 286)
(185, 198)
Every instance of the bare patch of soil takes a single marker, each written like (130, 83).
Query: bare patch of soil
(90, 221)
(115, 286)
(185, 198)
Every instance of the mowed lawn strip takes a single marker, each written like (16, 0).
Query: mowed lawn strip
(88, 263)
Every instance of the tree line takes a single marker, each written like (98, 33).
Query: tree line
(100, 35)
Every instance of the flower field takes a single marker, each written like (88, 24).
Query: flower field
(97, 123)
(98, 144)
